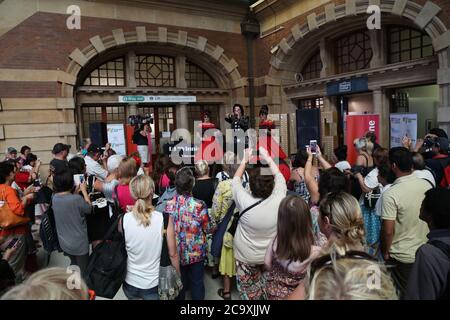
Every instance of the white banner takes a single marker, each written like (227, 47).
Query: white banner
(116, 136)
(157, 99)
(403, 124)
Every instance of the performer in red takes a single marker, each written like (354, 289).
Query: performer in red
(265, 139)
(210, 150)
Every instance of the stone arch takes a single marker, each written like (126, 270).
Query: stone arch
(228, 68)
(423, 17)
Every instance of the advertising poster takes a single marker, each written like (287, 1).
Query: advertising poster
(116, 136)
(357, 126)
(403, 124)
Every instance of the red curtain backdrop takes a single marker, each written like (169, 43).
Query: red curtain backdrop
(357, 126)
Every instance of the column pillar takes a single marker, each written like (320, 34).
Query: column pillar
(377, 48)
(180, 72)
(130, 62)
(132, 109)
(443, 116)
(326, 58)
(381, 107)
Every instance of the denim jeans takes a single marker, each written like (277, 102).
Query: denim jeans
(192, 277)
(134, 293)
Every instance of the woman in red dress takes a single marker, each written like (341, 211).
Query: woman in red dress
(208, 151)
(265, 139)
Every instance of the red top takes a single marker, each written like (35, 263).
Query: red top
(125, 197)
(267, 124)
(21, 179)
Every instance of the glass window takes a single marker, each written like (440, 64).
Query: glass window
(107, 74)
(310, 103)
(312, 69)
(155, 71)
(196, 77)
(353, 52)
(108, 114)
(406, 44)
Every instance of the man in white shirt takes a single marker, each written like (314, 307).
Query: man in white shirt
(93, 167)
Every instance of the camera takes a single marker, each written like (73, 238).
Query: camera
(428, 143)
(138, 120)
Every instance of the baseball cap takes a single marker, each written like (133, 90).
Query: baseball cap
(60, 147)
(12, 150)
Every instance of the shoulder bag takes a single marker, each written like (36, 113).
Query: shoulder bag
(170, 285)
(9, 219)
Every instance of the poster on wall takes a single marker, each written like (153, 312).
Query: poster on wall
(116, 136)
(403, 124)
(357, 126)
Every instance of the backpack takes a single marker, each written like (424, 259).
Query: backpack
(47, 231)
(107, 266)
(371, 198)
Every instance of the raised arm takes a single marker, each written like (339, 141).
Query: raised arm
(324, 163)
(311, 183)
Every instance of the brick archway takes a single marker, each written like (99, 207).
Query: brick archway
(80, 57)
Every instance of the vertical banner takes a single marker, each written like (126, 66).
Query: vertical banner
(116, 136)
(357, 127)
(403, 124)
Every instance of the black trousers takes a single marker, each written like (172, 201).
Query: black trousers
(400, 273)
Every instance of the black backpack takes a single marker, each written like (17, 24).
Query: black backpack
(107, 267)
(47, 231)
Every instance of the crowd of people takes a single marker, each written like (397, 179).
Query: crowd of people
(281, 229)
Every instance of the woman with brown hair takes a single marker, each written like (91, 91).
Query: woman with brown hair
(291, 252)
(127, 170)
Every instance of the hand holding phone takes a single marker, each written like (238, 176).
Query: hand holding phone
(78, 179)
(313, 146)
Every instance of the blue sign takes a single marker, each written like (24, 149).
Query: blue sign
(348, 86)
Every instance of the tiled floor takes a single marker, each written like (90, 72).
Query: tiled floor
(211, 285)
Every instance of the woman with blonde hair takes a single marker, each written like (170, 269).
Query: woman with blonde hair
(204, 185)
(354, 277)
(126, 171)
(341, 221)
(50, 284)
(143, 229)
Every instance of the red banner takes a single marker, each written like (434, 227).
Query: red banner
(357, 126)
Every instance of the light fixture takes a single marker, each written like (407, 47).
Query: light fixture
(274, 49)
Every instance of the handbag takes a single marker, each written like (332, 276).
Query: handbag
(8, 219)
(217, 240)
(107, 266)
(170, 285)
(237, 216)
(47, 231)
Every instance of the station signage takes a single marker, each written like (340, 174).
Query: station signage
(350, 86)
(157, 99)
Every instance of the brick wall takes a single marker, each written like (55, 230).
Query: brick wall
(43, 41)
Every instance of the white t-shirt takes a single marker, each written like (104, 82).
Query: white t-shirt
(343, 165)
(94, 168)
(258, 226)
(143, 246)
(426, 175)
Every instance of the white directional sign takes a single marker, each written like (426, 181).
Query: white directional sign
(157, 99)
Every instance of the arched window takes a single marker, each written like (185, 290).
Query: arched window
(311, 70)
(155, 71)
(196, 77)
(111, 73)
(406, 44)
(353, 51)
